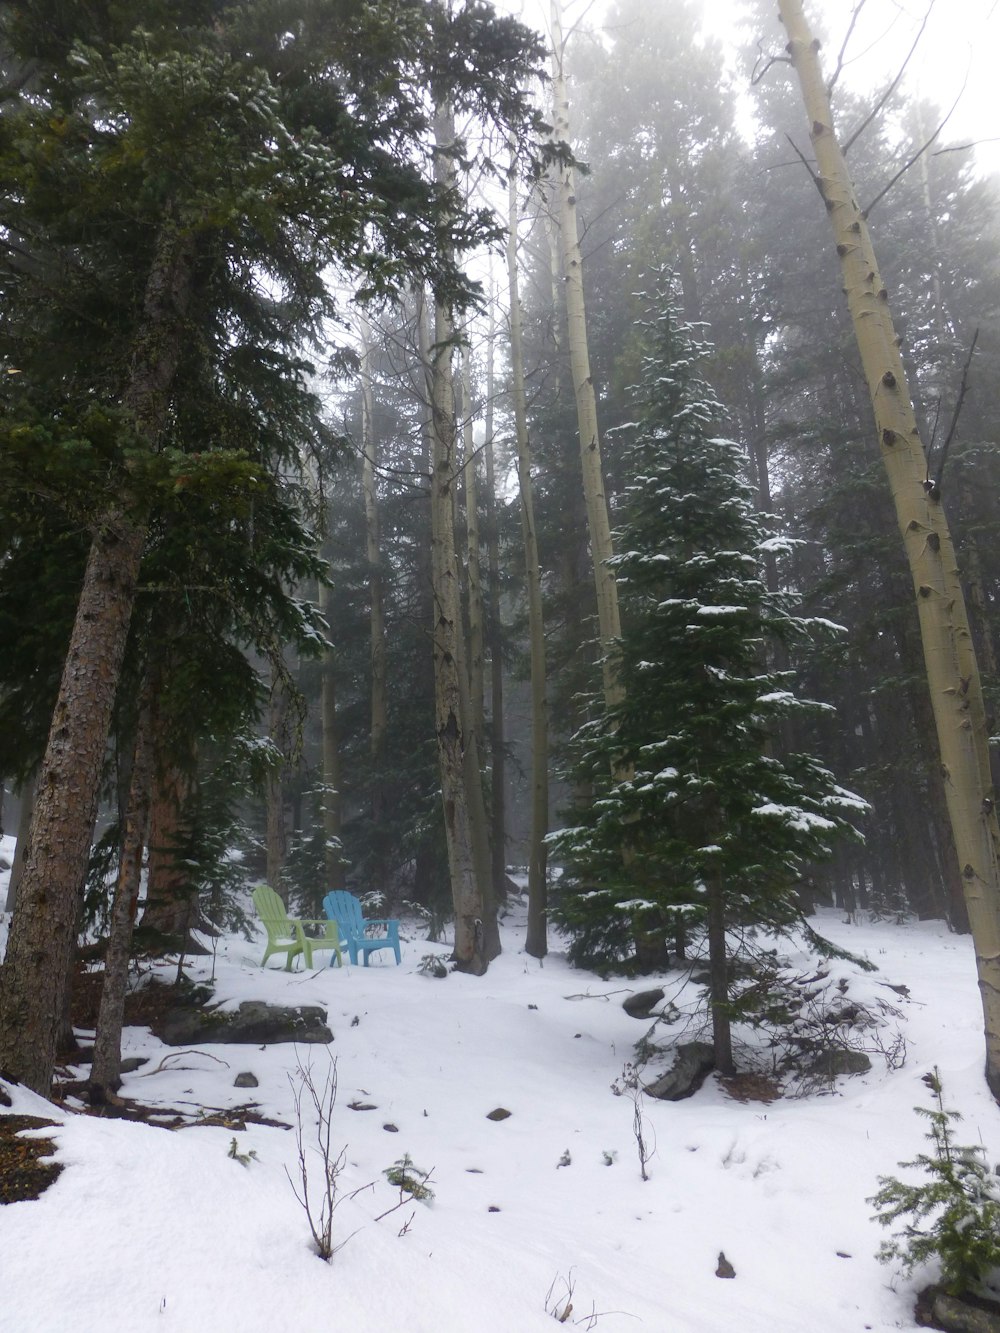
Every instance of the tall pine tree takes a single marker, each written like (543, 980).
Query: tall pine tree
(710, 828)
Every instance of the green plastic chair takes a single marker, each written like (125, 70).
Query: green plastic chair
(287, 935)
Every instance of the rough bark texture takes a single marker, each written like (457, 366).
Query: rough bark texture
(105, 1073)
(42, 934)
(952, 670)
(609, 621)
(43, 928)
(536, 942)
(718, 969)
(26, 795)
(168, 910)
(466, 890)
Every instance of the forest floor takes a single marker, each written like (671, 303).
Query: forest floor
(199, 1228)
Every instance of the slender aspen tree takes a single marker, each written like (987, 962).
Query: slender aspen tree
(333, 861)
(467, 892)
(276, 836)
(477, 678)
(949, 655)
(609, 622)
(105, 1070)
(373, 551)
(471, 674)
(536, 942)
(494, 635)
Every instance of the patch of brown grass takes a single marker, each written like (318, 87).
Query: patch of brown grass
(24, 1174)
(751, 1088)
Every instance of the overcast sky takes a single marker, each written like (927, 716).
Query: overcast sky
(961, 43)
(960, 46)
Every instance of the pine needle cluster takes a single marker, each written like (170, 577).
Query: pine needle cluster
(954, 1213)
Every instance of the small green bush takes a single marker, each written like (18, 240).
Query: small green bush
(955, 1214)
(409, 1179)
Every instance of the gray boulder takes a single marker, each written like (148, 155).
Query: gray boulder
(693, 1061)
(254, 1024)
(839, 1060)
(957, 1314)
(643, 1002)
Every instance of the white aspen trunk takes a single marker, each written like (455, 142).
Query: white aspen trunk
(536, 942)
(276, 835)
(498, 757)
(467, 892)
(373, 551)
(952, 670)
(609, 622)
(333, 861)
(475, 588)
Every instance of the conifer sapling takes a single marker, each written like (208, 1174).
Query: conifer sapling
(955, 1212)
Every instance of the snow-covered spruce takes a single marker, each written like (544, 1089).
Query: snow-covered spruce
(695, 821)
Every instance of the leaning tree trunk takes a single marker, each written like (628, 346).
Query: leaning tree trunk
(608, 619)
(43, 929)
(950, 660)
(105, 1071)
(536, 942)
(467, 893)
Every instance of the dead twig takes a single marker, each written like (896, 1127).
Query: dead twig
(933, 488)
(855, 14)
(891, 88)
(166, 1067)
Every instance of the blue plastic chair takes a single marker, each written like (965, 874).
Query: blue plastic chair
(359, 933)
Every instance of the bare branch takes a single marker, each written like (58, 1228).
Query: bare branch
(806, 163)
(964, 147)
(855, 15)
(757, 73)
(935, 486)
(909, 163)
(892, 86)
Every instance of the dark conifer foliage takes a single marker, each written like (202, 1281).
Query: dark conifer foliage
(691, 799)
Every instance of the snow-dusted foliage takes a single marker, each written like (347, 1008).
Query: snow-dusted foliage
(689, 787)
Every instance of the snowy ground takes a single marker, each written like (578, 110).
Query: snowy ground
(148, 1229)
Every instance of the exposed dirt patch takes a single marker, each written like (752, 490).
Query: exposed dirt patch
(143, 1007)
(24, 1172)
(751, 1088)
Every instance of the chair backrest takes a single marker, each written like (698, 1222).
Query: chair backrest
(270, 908)
(345, 909)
